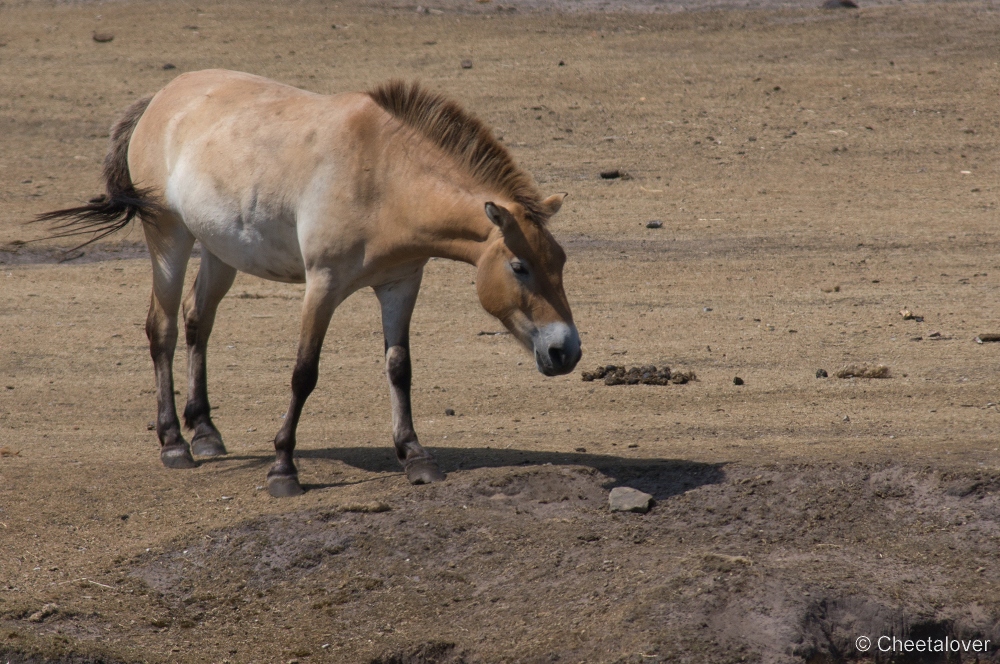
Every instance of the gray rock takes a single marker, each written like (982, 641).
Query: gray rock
(627, 499)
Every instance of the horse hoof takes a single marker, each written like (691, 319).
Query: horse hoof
(209, 445)
(177, 456)
(284, 486)
(423, 471)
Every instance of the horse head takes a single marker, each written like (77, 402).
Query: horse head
(520, 282)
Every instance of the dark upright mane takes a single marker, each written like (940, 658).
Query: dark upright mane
(464, 136)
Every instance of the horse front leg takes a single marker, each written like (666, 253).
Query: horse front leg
(397, 300)
(200, 306)
(317, 309)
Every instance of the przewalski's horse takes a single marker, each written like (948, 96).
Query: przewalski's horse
(340, 192)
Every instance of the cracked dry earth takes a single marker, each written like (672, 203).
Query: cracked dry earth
(815, 174)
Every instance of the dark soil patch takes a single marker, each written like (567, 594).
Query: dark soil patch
(19, 253)
(783, 563)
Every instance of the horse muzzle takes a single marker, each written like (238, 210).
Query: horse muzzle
(557, 349)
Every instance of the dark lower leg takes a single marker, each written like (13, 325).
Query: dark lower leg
(282, 478)
(207, 441)
(162, 334)
(419, 464)
(318, 306)
(200, 306)
(397, 300)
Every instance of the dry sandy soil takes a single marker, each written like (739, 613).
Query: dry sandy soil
(816, 172)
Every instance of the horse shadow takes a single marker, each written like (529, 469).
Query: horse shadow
(661, 478)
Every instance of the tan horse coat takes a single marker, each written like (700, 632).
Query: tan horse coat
(341, 192)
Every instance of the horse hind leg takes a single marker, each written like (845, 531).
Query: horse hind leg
(397, 300)
(200, 306)
(170, 247)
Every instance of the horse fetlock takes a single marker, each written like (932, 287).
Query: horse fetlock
(177, 456)
(408, 449)
(169, 434)
(196, 413)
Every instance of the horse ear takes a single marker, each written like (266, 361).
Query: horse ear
(499, 215)
(552, 204)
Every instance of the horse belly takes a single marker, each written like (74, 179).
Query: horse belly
(257, 241)
(265, 248)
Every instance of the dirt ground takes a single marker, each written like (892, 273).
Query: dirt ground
(816, 173)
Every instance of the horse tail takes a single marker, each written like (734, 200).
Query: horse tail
(114, 210)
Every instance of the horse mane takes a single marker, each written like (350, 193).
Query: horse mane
(464, 137)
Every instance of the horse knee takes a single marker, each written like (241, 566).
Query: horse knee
(305, 376)
(397, 367)
(191, 329)
(161, 333)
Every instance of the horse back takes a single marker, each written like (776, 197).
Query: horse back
(252, 166)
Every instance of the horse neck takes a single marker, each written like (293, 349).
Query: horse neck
(446, 220)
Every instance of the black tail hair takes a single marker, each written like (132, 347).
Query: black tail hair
(113, 211)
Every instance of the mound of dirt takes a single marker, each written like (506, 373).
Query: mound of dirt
(780, 564)
(644, 375)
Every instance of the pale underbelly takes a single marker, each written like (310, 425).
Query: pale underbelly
(254, 234)
(265, 248)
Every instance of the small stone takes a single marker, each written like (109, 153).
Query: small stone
(655, 223)
(737, 381)
(47, 610)
(627, 499)
(581, 450)
(987, 338)
(821, 373)
(466, 64)
(612, 174)
(150, 426)
(840, 4)
(168, 66)
(449, 412)
(562, 63)
(372, 507)
(103, 37)
(864, 371)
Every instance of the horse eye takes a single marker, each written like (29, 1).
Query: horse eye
(519, 268)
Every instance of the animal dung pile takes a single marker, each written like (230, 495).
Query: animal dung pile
(644, 375)
(863, 371)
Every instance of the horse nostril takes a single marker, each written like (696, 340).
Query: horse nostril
(557, 355)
